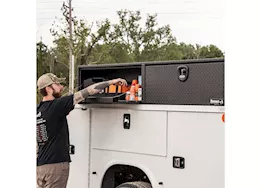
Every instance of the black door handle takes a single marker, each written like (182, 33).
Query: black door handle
(183, 72)
(126, 121)
(72, 149)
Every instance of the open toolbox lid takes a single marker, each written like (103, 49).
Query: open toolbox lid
(180, 82)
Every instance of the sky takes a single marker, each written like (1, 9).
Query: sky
(192, 21)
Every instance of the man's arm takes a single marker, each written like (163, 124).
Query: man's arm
(95, 88)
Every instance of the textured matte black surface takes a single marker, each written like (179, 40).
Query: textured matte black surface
(205, 81)
(105, 98)
(127, 72)
(136, 64)
(143, 74)
(160, 80)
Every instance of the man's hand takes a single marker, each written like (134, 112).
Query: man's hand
(119, 81)
(96, 88)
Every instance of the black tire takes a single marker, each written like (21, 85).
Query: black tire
(136, 184)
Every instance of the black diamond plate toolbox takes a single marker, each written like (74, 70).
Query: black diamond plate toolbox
(180, 82)
(185, 84)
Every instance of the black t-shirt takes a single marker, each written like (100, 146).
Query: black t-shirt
(52, 130)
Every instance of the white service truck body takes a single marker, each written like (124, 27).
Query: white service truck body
(157, 134)
(168, 143)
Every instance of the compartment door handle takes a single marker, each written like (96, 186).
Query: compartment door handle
(126, 121)
(183, 73)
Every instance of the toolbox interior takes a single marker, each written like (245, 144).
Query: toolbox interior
(91, 75)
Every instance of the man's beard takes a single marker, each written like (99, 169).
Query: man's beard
(56, 94)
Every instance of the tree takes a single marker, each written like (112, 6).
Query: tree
(83, 38)
(139, 43)
(210, 51)
(124, 41)
(42, 57)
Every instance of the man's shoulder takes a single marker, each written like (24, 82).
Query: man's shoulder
(65, 102)
(65, 97)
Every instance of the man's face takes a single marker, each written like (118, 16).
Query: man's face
(56, 90)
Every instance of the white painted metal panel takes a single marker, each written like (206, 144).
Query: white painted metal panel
(79, 127)
(147, 133)
(199, 138)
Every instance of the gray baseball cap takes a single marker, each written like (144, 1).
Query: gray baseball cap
(48, 79)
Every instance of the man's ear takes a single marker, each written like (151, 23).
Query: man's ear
(48, 89)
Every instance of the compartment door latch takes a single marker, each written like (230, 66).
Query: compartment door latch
(126, 121)
(178, 162)
(183, 72)
(72, 149)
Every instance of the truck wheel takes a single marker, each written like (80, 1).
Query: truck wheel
(136, 184)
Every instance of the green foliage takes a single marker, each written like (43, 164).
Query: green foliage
(125, 41)
(42, 57)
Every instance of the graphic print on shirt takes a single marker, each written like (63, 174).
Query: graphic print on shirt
(42, 136)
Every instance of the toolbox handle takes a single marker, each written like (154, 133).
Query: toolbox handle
(183, 72)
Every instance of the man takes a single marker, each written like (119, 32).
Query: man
(52, 129)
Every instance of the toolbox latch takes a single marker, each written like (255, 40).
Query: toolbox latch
(183, 72)
(178, 162)
(72, 149)
(126, 121)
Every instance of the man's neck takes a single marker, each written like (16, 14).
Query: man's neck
(48, 98)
